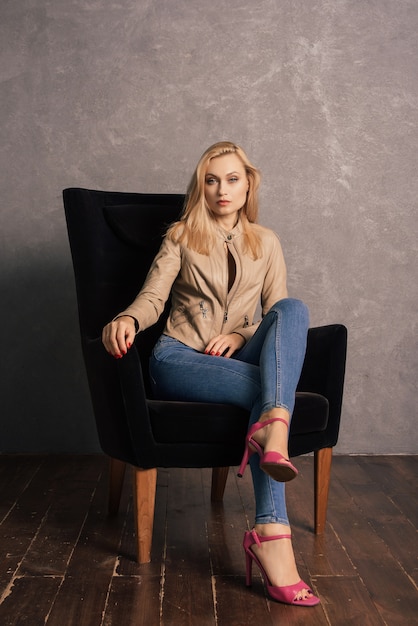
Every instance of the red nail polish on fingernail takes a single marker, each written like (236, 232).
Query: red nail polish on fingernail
(129, 344)
(218, 354)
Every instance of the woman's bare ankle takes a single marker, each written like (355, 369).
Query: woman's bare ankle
(274, 436)
(269, 530)
(277, 557)
(275, 412)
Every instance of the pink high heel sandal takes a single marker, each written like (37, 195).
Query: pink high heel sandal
(273, 463)
(287, 594)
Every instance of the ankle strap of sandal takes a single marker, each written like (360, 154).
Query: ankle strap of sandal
(259, 539)
(274, 419)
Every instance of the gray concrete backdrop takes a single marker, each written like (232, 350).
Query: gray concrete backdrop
(126, 95)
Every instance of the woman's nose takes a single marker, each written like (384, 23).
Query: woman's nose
(221, 189)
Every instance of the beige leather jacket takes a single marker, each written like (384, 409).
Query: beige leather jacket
(202, 307)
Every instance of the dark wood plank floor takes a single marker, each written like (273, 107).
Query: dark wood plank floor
(63, 562)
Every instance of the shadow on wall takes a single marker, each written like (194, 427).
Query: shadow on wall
(45, 399)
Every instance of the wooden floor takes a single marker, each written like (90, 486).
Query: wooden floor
(64, 563)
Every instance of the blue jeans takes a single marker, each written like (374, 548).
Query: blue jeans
(262, 375)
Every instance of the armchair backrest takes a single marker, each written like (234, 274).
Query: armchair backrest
(114, 237)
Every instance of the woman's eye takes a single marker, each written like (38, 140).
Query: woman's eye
(210, 181)
(234, 179)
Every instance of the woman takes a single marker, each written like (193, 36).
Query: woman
(218, 264)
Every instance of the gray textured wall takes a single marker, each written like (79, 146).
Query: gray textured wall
(126, 95)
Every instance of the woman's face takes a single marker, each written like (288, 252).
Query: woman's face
(226, 186)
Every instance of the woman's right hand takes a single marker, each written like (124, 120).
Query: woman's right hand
(118, 336)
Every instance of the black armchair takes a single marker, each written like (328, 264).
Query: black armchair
(113, 238)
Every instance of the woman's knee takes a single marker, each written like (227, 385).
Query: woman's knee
(292, 306)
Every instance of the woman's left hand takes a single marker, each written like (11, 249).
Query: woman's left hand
(225, 345)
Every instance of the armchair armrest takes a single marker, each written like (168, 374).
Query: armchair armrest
(324, 369)
(117, 394)
(136, 409)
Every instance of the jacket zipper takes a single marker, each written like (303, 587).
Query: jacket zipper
(226, 291)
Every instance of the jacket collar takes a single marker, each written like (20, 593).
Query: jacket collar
(227, 235)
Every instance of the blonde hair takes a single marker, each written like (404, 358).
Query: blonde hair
(196, 227)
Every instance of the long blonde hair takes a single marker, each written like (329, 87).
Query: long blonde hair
(196, 227)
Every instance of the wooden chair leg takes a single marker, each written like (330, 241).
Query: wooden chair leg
(116, 478)
(219, 477)
(323, 459)
(144, 484)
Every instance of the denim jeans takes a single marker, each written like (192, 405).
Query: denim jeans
(262, 375)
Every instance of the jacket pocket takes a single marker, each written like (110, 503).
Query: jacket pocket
(192, 315)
